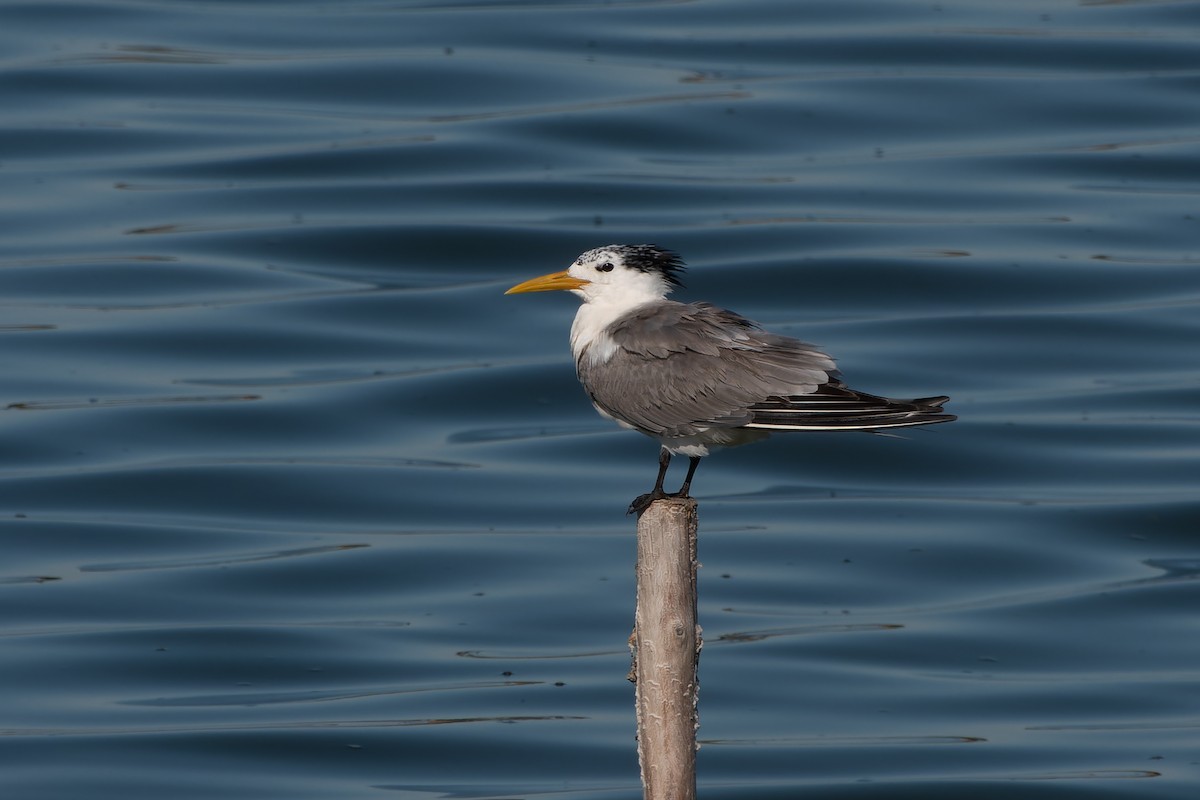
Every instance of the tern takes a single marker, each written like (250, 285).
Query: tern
(695, 376)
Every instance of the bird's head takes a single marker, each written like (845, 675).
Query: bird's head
(625, 273)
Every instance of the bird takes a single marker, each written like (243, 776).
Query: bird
(698, 377)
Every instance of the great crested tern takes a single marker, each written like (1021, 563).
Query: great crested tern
(695, 376)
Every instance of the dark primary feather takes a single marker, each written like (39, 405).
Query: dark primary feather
(835, 406)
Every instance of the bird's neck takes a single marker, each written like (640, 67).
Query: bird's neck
(589, 332)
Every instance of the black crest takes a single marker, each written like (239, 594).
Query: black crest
(652, 258)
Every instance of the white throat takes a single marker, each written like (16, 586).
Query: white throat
(602, 306)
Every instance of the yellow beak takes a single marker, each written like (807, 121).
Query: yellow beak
(548, 283)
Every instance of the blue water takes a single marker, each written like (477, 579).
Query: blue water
(296, 504)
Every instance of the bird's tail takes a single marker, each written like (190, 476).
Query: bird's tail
(835, 407)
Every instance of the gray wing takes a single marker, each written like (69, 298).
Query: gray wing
(678, 369)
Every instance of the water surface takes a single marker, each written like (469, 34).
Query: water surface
(297, 504)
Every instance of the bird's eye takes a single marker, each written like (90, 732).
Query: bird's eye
(605, 267)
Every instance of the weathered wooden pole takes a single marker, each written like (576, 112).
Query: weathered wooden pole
(666, 648)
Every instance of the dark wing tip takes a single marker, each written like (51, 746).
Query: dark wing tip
(835, 406)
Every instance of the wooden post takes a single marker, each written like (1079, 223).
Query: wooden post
(666, 647)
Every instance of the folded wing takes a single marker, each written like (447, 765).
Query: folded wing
(675, 369)
(678, 369)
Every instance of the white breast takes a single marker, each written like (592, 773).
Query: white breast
(589, 337)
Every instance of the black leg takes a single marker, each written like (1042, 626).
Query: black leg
(642, 502)
(687, 482)
(664, 461)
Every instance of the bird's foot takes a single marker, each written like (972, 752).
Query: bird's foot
(643, 501)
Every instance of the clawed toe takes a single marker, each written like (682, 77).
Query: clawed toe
(643, 501)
